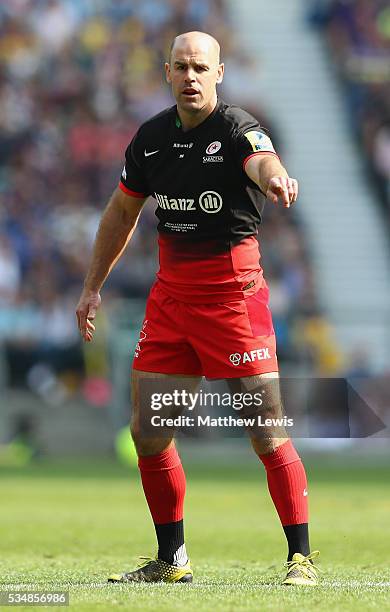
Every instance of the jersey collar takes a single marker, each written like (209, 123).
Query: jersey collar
(201, 125)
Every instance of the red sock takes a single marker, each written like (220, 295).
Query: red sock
(287, 484)
(164, 484)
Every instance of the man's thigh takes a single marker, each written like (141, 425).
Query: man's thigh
(233, 339)
(156, 400)
(163, 345)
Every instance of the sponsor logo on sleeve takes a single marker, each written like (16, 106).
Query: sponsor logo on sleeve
(124, 173)
(260, 141)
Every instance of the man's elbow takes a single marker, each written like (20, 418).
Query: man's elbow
(129, 207)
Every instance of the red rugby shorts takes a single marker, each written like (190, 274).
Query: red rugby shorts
(224, 340)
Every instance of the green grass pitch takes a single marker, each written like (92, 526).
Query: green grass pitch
(67, 526)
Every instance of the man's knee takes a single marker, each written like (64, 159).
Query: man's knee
(265, 390)
(265, 446)
(268, 431)
(147, 446)
(140, 426)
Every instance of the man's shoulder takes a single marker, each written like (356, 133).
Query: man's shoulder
(159, 121)
(237, 118)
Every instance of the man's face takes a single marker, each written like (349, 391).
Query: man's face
(194, 71)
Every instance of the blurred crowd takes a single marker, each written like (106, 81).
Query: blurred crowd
(76, 79)
(358, 35)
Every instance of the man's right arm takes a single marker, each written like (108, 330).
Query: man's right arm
(115, 230)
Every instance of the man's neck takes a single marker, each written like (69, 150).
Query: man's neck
(190, 121)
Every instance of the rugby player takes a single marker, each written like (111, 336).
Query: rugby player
(210, 167)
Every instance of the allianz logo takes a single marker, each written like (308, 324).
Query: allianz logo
(209, 202)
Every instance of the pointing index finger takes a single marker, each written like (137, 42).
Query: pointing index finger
(282, 189)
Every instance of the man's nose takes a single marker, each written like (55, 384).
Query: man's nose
(190, 76)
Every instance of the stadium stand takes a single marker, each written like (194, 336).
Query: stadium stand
(358, 37)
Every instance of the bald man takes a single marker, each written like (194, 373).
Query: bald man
(210, 168)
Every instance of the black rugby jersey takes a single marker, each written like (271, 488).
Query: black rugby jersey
(197, 176)
(209, 210)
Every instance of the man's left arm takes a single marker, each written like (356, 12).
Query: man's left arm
(272, 178)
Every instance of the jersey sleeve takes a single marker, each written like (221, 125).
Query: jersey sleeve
(133, 180)
(252, 140)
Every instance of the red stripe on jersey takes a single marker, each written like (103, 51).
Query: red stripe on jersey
(257, 153)
(208, 272)
(135, 194)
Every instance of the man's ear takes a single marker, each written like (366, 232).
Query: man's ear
(221, 70)
(168, 73)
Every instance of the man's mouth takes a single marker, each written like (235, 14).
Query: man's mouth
(190, 91)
